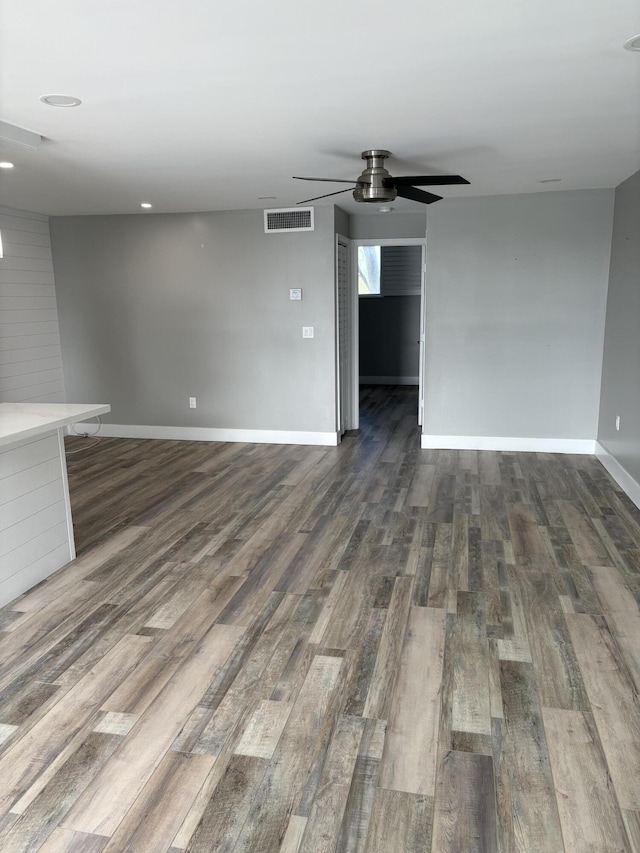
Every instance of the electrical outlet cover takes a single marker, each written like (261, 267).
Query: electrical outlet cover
(295, 293)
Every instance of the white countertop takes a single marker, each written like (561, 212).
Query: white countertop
(23, 420)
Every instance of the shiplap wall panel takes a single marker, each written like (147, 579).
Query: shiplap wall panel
(30, 380)
(22, 354)
(34, 365)
(30, 479)
(33, 524)
(29, 332)
(15, 535)
(33, 502)
(28, 303)
(22, 579)
(23, 278)
(27, 454)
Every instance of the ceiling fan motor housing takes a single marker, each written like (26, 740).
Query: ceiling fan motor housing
(375, 184)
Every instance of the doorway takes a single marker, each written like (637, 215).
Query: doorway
(380, 321)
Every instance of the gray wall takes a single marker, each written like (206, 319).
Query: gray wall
(621, 365)
(516, 294)
(389, 331)
(376, 226)
(157, 308)
(30, 356)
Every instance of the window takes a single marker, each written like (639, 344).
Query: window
(389, 270)
(369, 270)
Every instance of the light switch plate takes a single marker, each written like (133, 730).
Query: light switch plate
(295, 293)
(307, 331)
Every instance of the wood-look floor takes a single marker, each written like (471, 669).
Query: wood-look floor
(363, 648)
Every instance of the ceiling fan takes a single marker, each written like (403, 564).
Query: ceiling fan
(376, 185)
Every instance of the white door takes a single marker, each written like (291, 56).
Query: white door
(344, 377)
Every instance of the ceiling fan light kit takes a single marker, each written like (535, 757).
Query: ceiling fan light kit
(376, 186)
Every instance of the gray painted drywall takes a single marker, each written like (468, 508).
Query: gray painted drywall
(389, 333)
(516, 293)
(620, 393)
(377, 226)
(157, 308)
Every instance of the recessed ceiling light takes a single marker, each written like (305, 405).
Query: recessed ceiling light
(550, 181)
(60, 100)
(145, 204)
(633, 43)
(5, 164)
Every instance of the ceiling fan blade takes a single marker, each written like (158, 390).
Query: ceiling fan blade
(429, 180)
(315, 198)
(417, 195)
(329, 180)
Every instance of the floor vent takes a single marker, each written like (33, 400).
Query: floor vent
(282, 219)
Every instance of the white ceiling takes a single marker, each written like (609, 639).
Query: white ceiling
(201, 105)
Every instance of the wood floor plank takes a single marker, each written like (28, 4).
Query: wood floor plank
(421, 486)
(67, 841)
(622, 615)
(136, 693)
(325, 818)
(378, 704)
(264, 728)
(357, 813)
(112, 793)
(400, 822)
(588, 544)
(471, 707)
(589, 814)
(292, 841)
(613, 704)
(632, 825)
(441, 584)
(21, 765)
(528, 814)
(514, 645)
(410, 755)
(293, 760)
(158, 812)
(223, 817)
(558, 676)
(528, 544)
(53, 802)
(465, 808)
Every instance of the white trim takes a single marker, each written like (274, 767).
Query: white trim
(389, 380)
(622, 477)
(488, 442)
(65, 488)
(248, 436)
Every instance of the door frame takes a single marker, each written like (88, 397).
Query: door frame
(345, 418)
(355, 326)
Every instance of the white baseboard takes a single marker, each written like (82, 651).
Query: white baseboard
(526, 445)
(622, 477)
(248, 436)
(389, 380)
